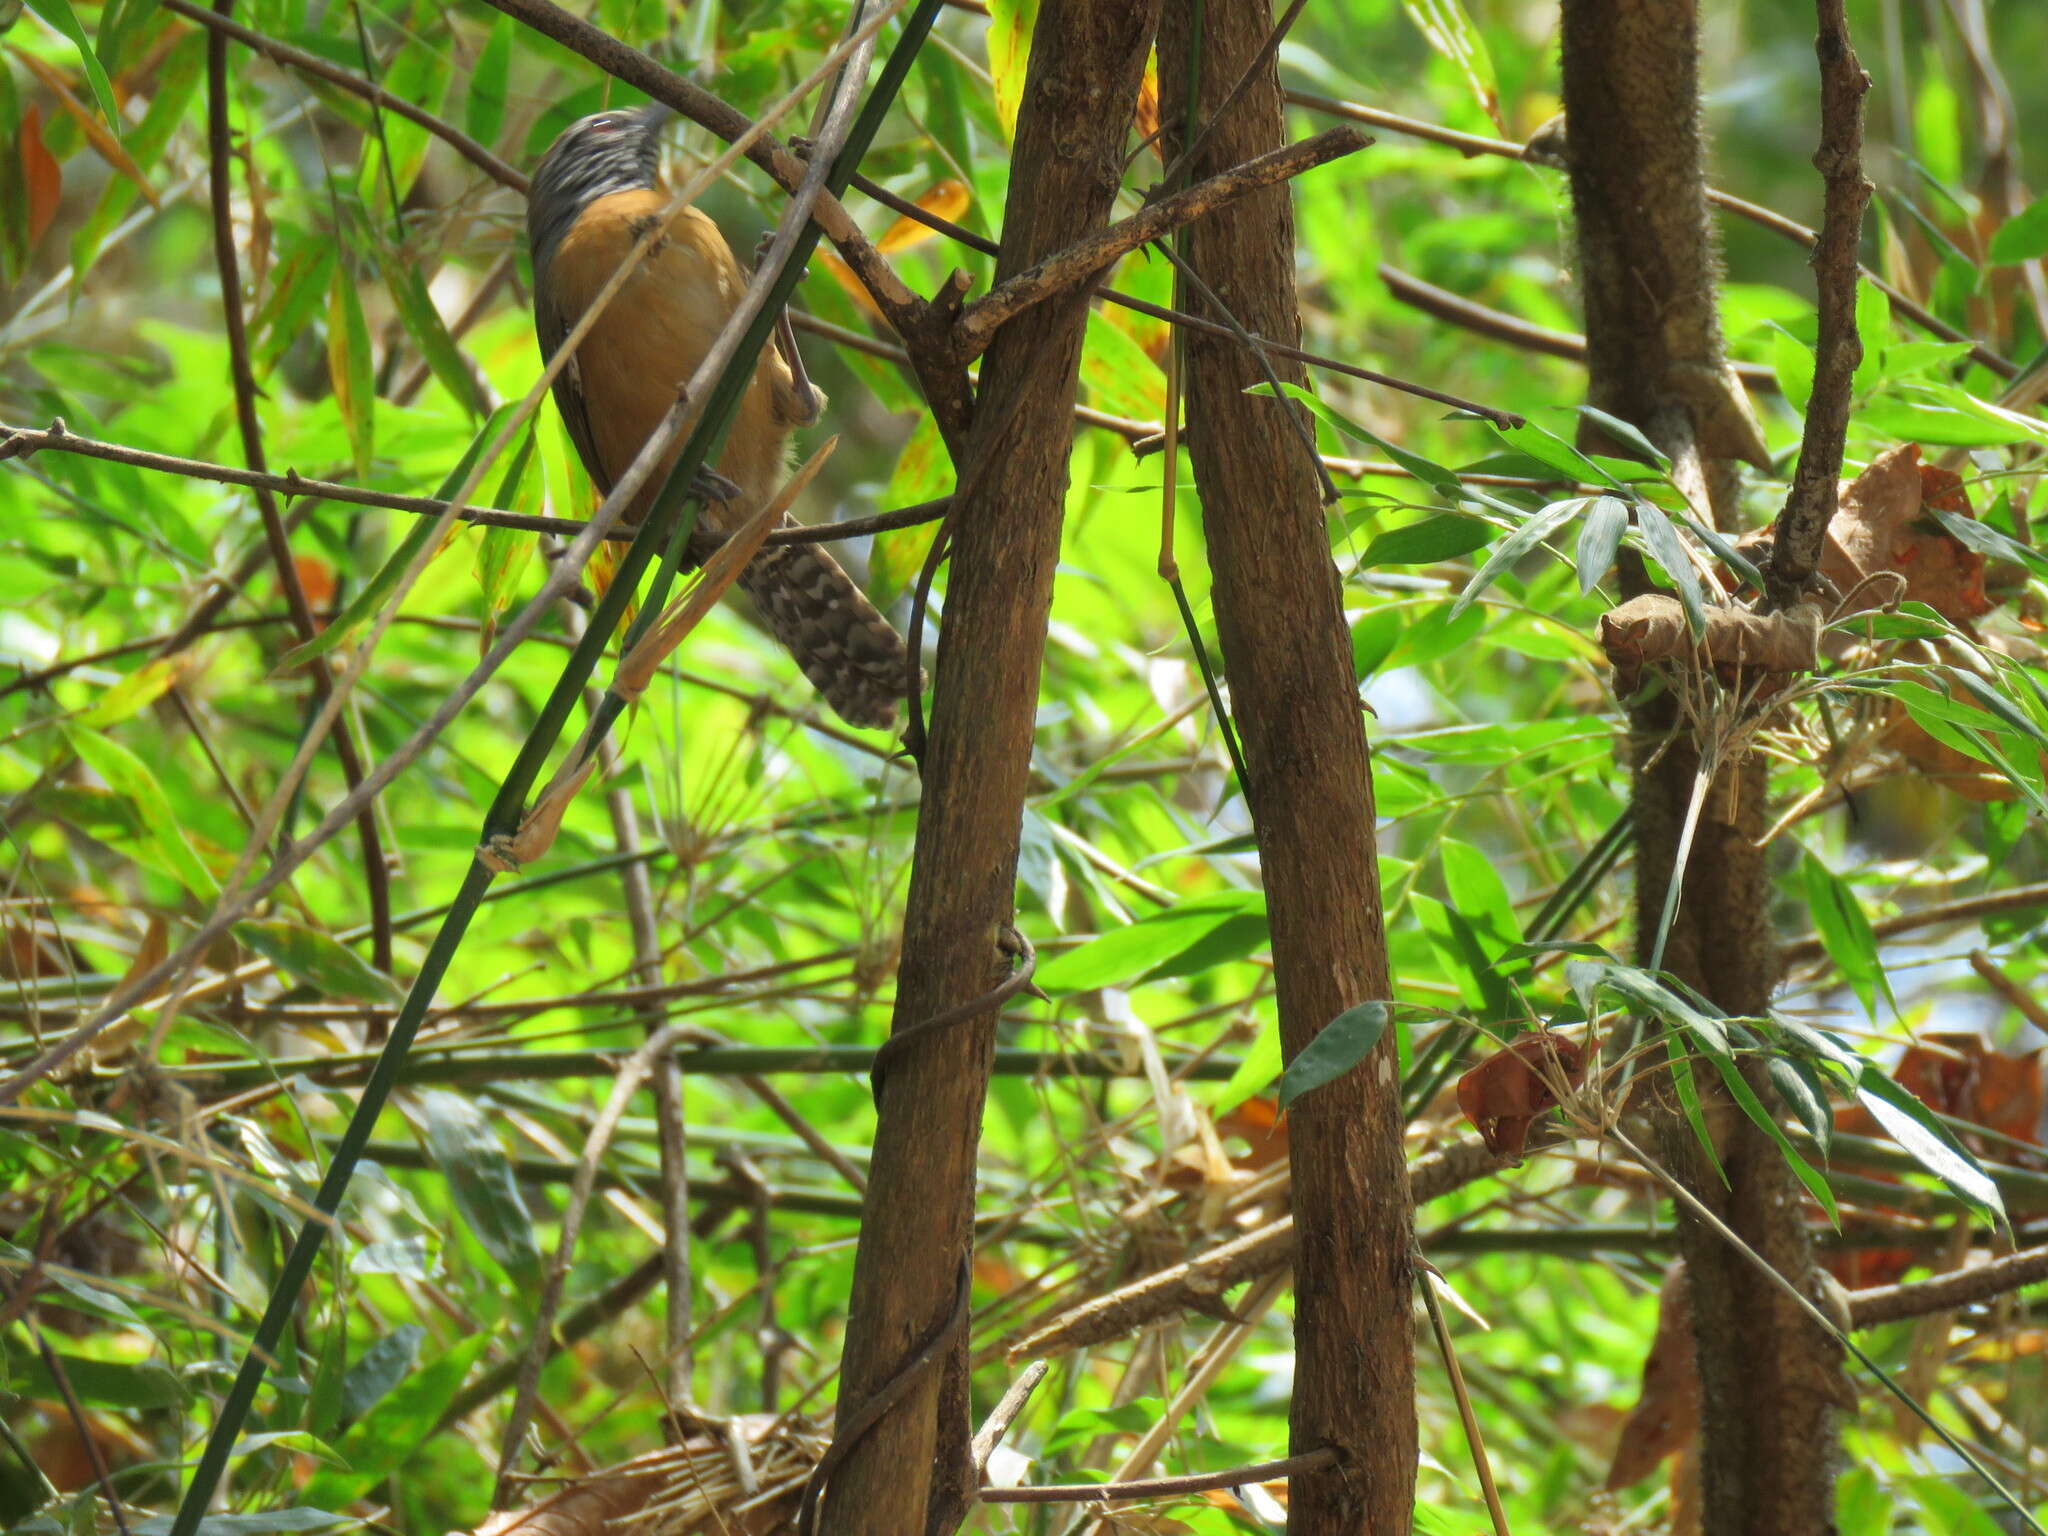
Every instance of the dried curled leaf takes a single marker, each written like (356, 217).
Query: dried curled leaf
(1882, 525)
(1652, 628)
(1504, 1094)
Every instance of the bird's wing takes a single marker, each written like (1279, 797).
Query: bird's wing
(552, 329)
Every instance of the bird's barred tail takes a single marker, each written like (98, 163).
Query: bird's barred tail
(851, 654)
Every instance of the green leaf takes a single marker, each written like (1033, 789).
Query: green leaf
(1374, 637)
(1124, 954)
(1442, 630)
(1255, 1071)
(423, 322)
(1845, 933)
(132, 1387)
(465, 1147)
(1626, 432)
(1802, 1091)
(1989, 542)
(384, 1439)
(483, 112)
(383, 1366)
(1479, 895)
(58, 13)
(349, 366)
(370, 600)
(1599, 538)
(1739, 1089)
(128, 776)
(1081, 1424)
(1540, 526)
(1432, 474)
(317, 959)
(1546, 447)
(1442, 537)
(1914, 1127)
(132, 694)
(1340, 1045)
(1010, 24)
(1874, 328)
(1451, 33)
(1792, 361)
(923, 472)
(2022, 237)
(1665, 547)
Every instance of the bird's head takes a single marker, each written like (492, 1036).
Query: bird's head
(593, 157)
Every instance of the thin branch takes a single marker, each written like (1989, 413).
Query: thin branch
(2019, 898)
(1470, 144)
(1942, 1293)
(1004, 1414)
(905, 208)
(1809, 506)
(220, 165)
(19, 442)
(1442, 304)
(2029, 1007)
(285, 54)
(1198, 1284)
(1163, 1487)
(1084, 258)
(79, 1427)
(636, 1068)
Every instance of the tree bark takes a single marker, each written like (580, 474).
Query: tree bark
(1287, 655)
(1079, 98)
(1648, 271)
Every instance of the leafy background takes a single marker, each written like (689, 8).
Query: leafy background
(778, 847)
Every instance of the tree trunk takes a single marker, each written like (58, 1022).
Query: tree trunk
(1080, 94)
(1287, 655)
(1648, 269)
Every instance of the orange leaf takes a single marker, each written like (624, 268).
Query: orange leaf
(102, 138)
(1259, 1122)
(945, 200)
(842, 274)
(1504, 1094)
(41, 174)
(316, 579)
(1147, 116)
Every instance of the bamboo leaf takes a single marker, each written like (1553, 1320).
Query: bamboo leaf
(1338, 1047)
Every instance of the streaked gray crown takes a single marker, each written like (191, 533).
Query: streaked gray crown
(593, 157)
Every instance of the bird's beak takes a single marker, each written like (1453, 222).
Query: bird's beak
(654, 117)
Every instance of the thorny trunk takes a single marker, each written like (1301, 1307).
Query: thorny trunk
(916, 1228)
(1648, 271)
(1287, 655)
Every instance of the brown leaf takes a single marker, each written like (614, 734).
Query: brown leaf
(40, 174)
(1882, 526)
(1667, 1412)
(1504, 1094)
